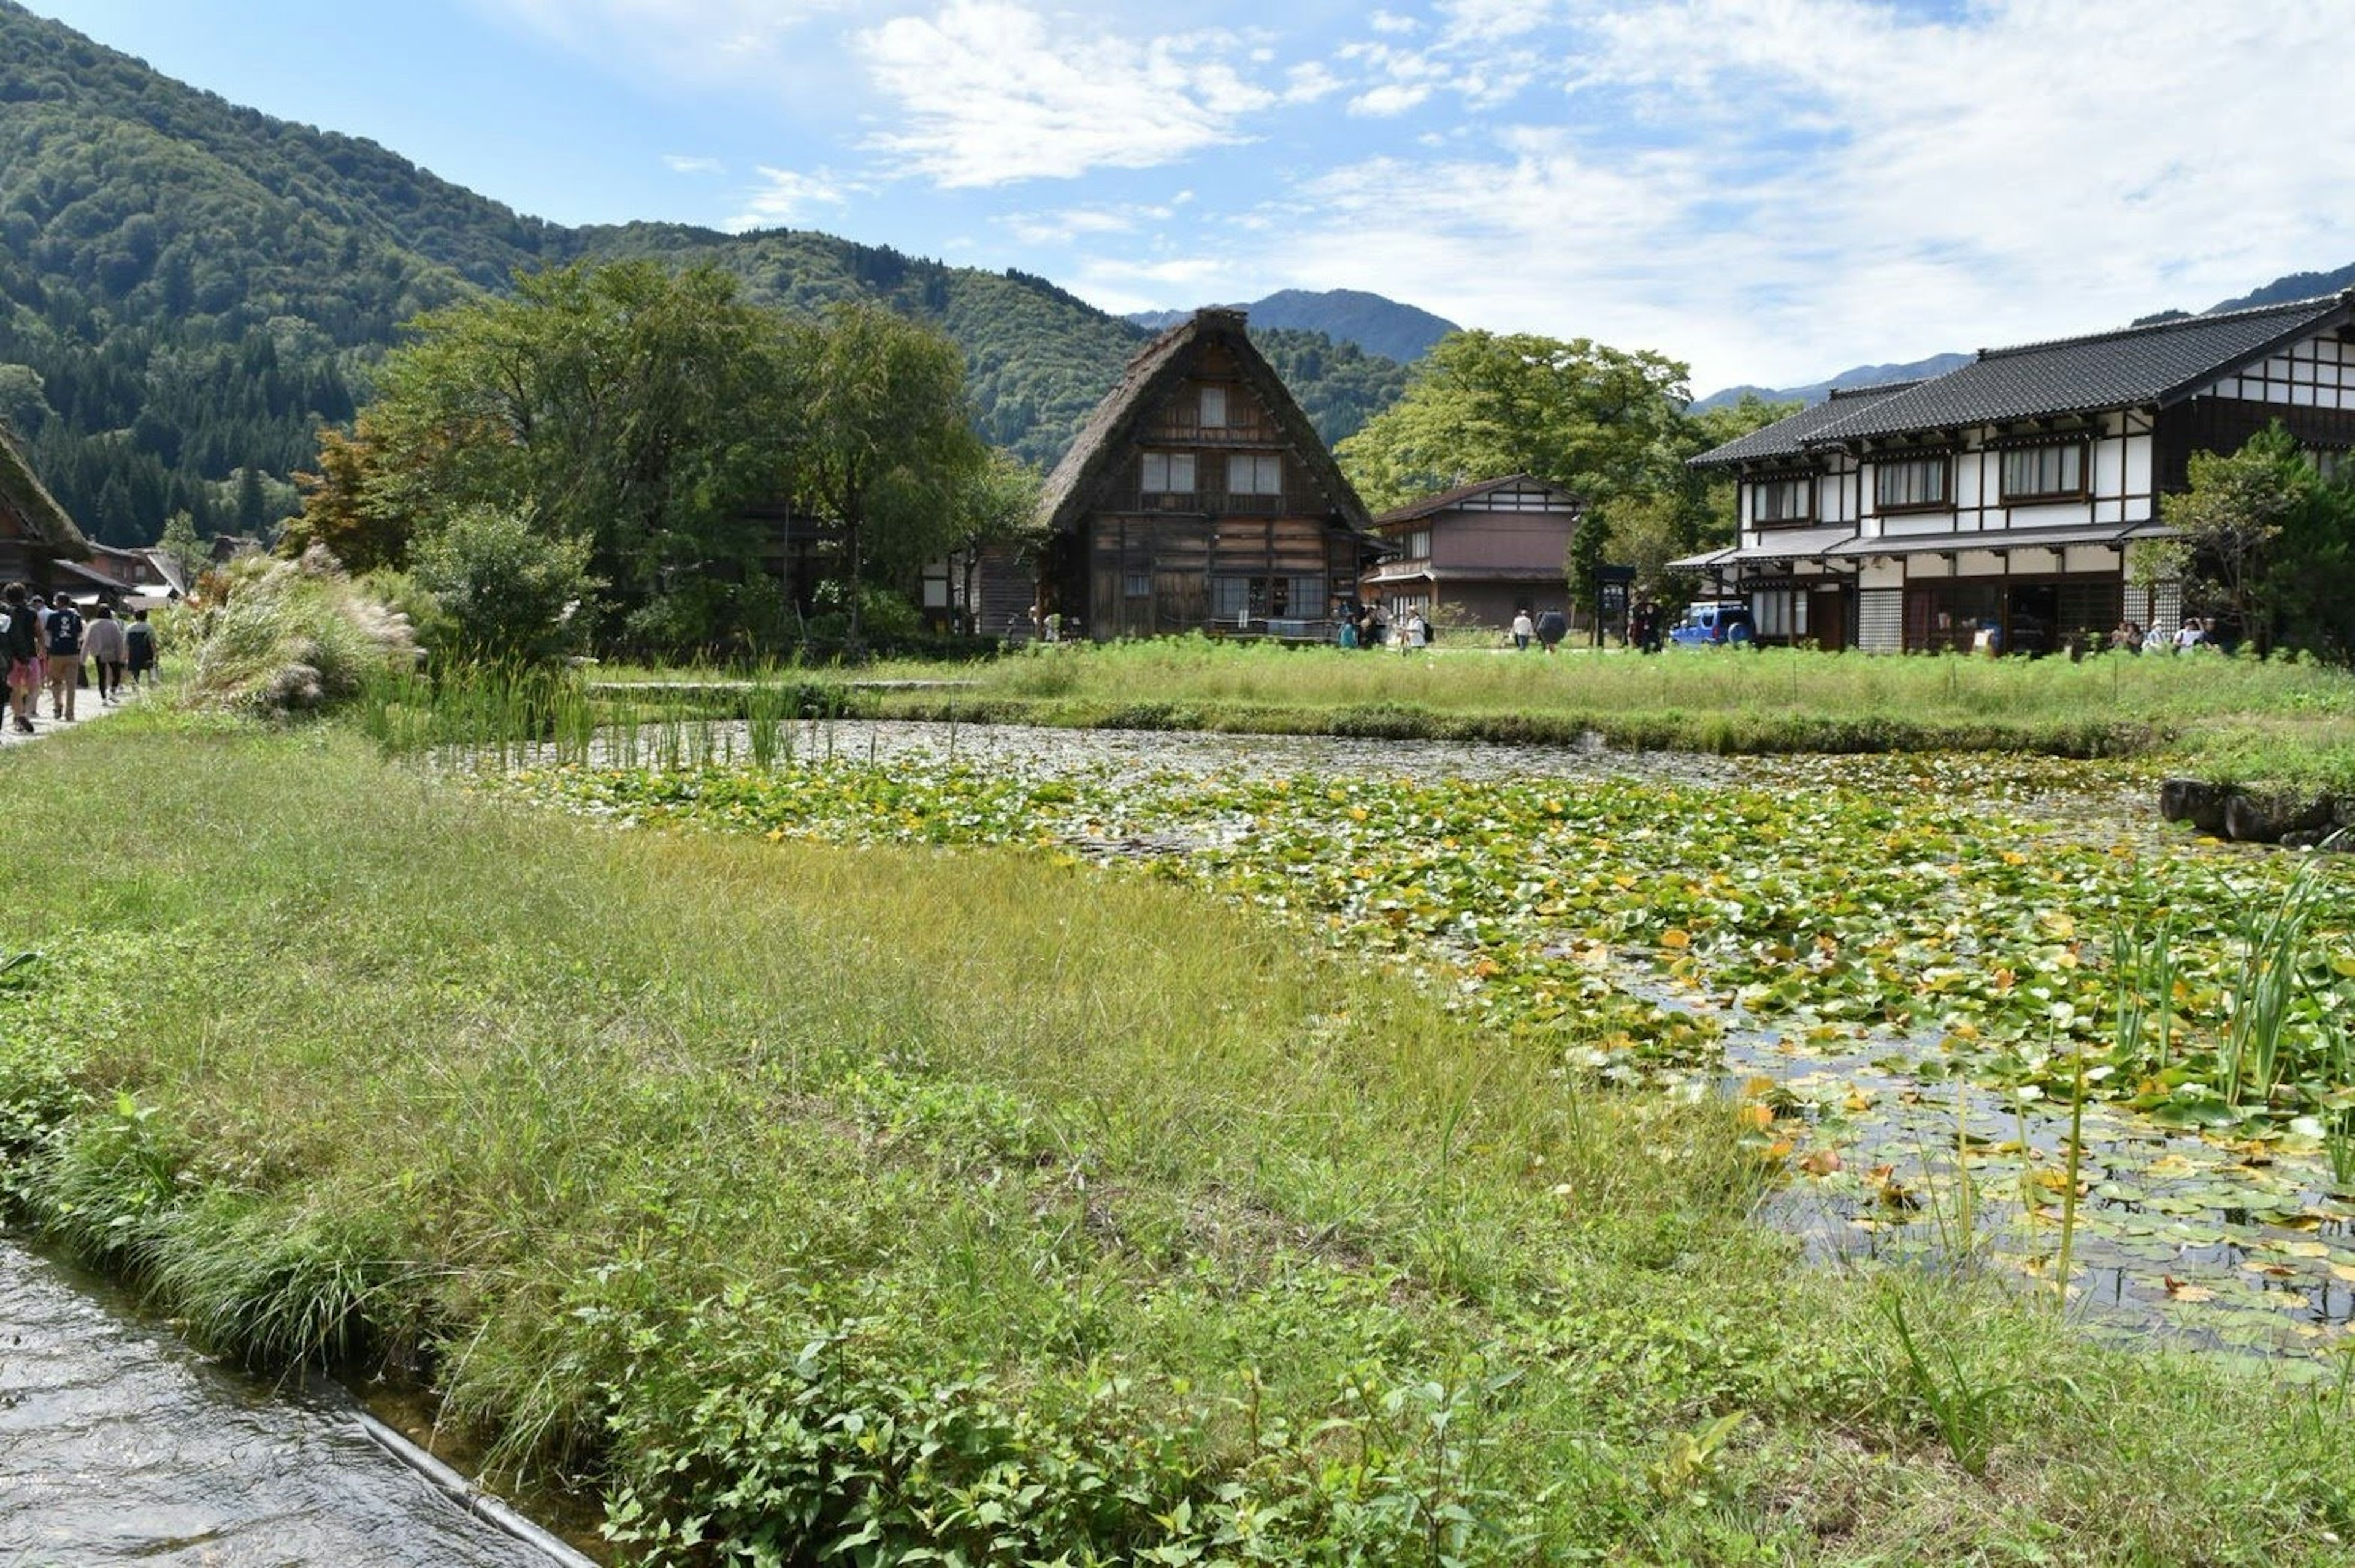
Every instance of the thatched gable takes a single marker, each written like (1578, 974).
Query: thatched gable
(30, 512)
(1107, 440)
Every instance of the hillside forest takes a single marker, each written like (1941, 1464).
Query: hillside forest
(189, 291)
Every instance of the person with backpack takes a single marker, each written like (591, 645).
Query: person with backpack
(139, 637)
(64, 625)
(104, 646)
(20, 639)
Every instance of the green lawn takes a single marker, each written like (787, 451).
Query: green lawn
(2229, 718)
(805, 1197)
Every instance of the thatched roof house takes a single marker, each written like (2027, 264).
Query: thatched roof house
(1198, 496)
(34, 532)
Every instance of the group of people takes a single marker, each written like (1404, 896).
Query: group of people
(50, 644)
(2193, 632)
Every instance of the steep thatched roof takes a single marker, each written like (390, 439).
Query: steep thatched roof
(24, 497)
(1104, 443)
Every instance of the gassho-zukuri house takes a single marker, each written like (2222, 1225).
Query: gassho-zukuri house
(1198, 496)
(2004, 494)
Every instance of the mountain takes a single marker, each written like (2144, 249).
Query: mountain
(1816, 391)
(189, 290)
(2290, 287)
(1379, 326)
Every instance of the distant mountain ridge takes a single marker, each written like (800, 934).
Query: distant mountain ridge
(1375, 323)
(2290, 287)
(189, 289)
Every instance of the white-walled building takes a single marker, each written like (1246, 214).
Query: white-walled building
(2004, 494)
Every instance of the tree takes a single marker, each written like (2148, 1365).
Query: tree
(180, 543)
(998, 507)
(886, 446)
(1598, 420)
(622, 405)
(338, 511)
(2225, 526)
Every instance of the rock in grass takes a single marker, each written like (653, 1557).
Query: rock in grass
(2264, 818)
(2195, 801)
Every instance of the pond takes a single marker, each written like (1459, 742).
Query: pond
(1909, 967)
(118, 1443)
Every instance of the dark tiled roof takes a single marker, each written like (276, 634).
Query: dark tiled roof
(1788, 437)
(1431, 505)
(2139, 366)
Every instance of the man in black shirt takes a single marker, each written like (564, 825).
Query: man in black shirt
(63, 623)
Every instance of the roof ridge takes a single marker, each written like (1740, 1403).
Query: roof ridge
(2313, 304)
(1832, 394)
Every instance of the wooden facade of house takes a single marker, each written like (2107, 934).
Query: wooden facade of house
(1489, 549)
(36, 535)
(1199, 497)
(2002, 498)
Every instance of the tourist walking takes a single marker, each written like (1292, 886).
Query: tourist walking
(63, 624)
(1552, 627)
(139, 642)
(20, 639)
(105, 646)
(1523, 630)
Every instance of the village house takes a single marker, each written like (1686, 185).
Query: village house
(2002, 498)
(1487, 551)
(1197, 498)
(36, 538)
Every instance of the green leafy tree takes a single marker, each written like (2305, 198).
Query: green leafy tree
(338, 511)
(887, 447)
(623, 406)
(1599, 420)
(2263, 539)
(187, 550)
(998, 507)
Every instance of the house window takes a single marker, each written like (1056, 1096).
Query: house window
(1137, 584)
(2040, 473)
(1242, 599)
(1255, 473)
(1910, 484)
(1418, 545)
(1214, 408)
(1169, 473)
(1783, 501)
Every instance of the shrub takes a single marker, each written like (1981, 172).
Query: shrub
(504, 593)
(291, 636)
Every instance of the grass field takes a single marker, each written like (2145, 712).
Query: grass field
(805, 1198)
(2233, 719)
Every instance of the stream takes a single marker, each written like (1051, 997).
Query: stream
(119, 1443)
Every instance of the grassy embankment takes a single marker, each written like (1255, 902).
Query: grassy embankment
(807, 1196)
(2233, 720)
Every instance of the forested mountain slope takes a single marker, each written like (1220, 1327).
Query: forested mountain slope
(189, 289)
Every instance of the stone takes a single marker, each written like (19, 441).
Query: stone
(2263, 820)
(2195, 801)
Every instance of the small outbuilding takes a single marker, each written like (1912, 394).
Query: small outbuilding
(1489, 549)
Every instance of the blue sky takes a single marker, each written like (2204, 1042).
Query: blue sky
(1771, 191)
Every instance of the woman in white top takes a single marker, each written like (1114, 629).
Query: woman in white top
(1523, 630)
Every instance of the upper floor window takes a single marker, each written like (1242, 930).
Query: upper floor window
(1255, 473)
(1910, 484)
(1783, 500)
(2041, 472)
(1214, 408)
(1168, 474)
(1418, 545)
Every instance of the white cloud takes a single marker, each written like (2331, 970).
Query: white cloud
(1390, 98)
(1779, 191)
(990, 92)
(1062, 228)
(679, 163)
(783, 195)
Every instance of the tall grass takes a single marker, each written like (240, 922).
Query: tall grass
(797, 1195)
